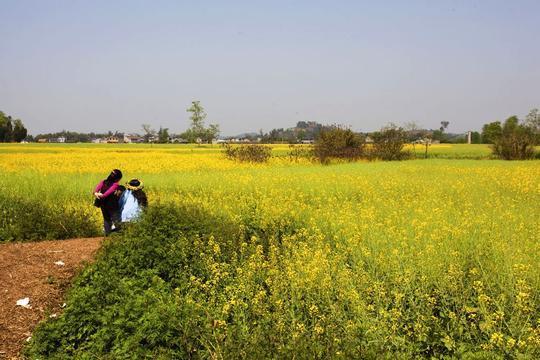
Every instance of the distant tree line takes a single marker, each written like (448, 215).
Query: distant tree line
(311, 130)
(76, 137)
(304, 130)
(11, 130)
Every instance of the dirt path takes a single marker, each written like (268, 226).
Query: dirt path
(29, 270)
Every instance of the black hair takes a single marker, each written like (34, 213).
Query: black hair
(114, 176)
(141, 197)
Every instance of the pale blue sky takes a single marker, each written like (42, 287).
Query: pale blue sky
(100, 65)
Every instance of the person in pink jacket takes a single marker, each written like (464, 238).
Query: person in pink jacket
(107, 199)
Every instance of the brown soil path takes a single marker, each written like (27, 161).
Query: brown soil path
(29, 270)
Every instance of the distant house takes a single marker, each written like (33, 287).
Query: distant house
(41, 141)
(133, 138)
(60, 139)
(111, 140)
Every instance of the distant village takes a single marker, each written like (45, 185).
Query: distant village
(305, 132)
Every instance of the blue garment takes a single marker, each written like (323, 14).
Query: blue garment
(129, 207)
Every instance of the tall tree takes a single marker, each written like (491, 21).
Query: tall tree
(148, 132)
(5, 125)
(197, 131)
(10, 129)
(532, 121)
(197, 117)
(516, 141)
(491, 132)
(19, 131)
(163, 135)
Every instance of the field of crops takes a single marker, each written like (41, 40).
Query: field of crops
(435, 257)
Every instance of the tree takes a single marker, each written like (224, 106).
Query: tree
(19, 131)
(413, 131)
(197, 117)
(5, 128)
(389, 142)
(197, 131)
(516, 141)
(11, 130)
(440, 134)
(444, 125)
(148, 132)
(163, 135)
(491, 132)
(340, 143)
(532, 121)
(476, 138)
(212, 133)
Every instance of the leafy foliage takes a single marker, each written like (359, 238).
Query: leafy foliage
(248, 153)
(297, 152)
(338, 143)
(29, 219)
(516, 141)
(491, 132)
(389, 143)
(198, 132)
(11, 130)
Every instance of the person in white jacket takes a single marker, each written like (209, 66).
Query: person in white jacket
(133, 201)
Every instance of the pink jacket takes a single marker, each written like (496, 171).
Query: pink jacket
(109, 190)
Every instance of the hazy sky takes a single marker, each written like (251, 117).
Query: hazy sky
(100, 65)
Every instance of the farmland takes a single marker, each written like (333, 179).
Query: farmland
(427, 257)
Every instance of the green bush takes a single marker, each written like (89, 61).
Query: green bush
(338, 143)
(27, 220)
(516, 141)
(248, 153)
(388, 144)
(297, 152)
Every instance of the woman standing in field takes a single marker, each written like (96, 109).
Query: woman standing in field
(107, 200)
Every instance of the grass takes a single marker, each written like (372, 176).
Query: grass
(409, 259)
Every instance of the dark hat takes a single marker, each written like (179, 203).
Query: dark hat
(134, 185)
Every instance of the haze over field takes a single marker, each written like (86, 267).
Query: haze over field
(95, 66)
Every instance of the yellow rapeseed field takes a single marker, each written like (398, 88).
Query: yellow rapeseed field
(420, 257)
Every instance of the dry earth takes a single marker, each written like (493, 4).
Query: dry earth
(29, 270)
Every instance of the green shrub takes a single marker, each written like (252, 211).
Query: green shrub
(28, 220)
(388, 144)
(248, 153)
(338, 143)
(516, 141)
(297, 152)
